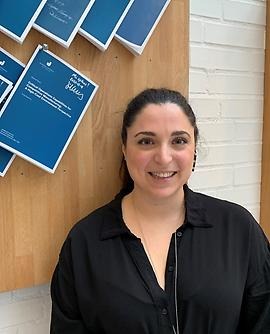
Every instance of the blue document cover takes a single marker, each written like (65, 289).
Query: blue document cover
(17, 17)
(139, 23)
(5, 88)
(103, 20)
(44, 109)
(10, 69)
(6, 159)
(61, 20)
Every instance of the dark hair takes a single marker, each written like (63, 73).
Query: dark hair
(135, 106)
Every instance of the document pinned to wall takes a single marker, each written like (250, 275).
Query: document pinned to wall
(44, 109)
(6, 159)
(5, 88)
(10, 70)
(139, 24)
(17, 17)
(10, 67)
(103, 20)
(60, 20)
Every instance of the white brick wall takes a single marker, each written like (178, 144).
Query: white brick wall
(25, 311)
(226, 92)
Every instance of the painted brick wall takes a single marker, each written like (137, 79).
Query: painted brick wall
(226, 92)
(25, 311)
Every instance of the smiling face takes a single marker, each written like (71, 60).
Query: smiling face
(159, 150)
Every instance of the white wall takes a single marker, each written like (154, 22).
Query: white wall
(226, 92)
(25, 311)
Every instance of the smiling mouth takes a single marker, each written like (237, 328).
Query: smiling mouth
(162, 175)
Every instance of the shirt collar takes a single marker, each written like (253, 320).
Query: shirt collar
(113, 223)
(195, 209)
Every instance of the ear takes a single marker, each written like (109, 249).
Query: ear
(124, 150)
(194, 160)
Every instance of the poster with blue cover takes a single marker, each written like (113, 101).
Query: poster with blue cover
(139, 24)
(10, 68)
(5, 88)
(6, 159)
(61, 19)
(44, 109)
(103, 20)
(17, 17)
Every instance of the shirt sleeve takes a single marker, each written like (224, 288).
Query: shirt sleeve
(256, 304)
(65, 316)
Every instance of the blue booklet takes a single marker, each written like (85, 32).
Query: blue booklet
(17, 17)
(139, 24)
(103, 20)
(6, 159)
(44, 109)
(61, 20)
(10, 69)
(5, 88)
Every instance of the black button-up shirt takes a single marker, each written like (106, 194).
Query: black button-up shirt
(104, 282)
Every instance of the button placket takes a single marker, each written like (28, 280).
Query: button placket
(179, 234)
(164, 311)
(171, 268)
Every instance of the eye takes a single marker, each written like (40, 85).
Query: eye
(146, 141)
(179, 141)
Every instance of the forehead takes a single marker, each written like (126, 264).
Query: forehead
(162, 116)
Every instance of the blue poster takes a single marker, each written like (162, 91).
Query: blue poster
(44, 109)
(5, 88)
(103, 20)
(139, 23)
(6, 159)
(61, 19)
(17, 17)
(10, 69)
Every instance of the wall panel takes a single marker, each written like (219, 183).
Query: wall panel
(265, 189)
(37, 209)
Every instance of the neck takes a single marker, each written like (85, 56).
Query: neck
(159, 210)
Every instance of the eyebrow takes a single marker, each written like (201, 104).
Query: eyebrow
(152, 134)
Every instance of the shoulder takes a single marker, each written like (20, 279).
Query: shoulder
(223, 207)
(222, 213)
(232, 221)
(90, 226)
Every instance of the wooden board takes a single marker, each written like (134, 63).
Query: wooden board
(265, 188)
(37, 209)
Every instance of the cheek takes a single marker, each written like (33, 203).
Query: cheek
(138, 160)
(185, 159)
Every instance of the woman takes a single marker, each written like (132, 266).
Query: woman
(160, 258)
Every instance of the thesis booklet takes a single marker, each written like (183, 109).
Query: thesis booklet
(17, 17)
(44, 109)
(61, 19)
(139, 24)
(103, 20)
(5, 88)
(6, 159)
(10, 69)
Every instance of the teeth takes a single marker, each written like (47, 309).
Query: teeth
(162, 174)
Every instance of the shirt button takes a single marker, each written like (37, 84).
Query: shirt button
(171, 268)
(164, 311)
(179, 234)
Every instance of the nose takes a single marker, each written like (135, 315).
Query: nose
(163, 155)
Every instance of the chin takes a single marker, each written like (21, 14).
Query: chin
(165, 193)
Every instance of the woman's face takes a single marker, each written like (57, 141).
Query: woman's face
(159, 150)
